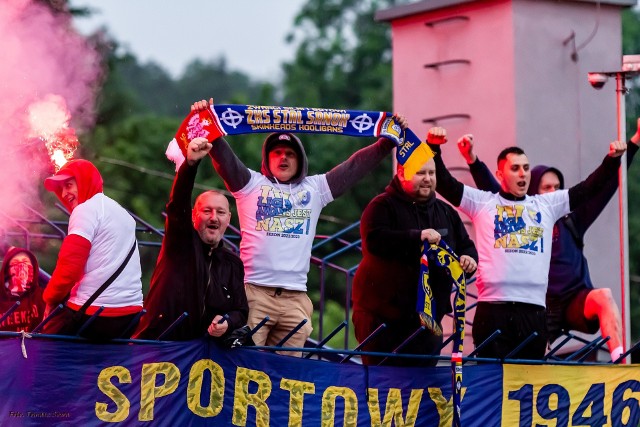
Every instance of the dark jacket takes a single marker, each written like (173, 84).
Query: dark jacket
(29, 314)
(386, 282)
(568, 271)
(191, 276)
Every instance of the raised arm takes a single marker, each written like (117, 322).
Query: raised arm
(448, 187)
(481, 174)
(178, 224)
(232, 171)
(348, 173)
(583, 191)
(587, 213)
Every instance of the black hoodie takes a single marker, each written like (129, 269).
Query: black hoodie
(386, 282)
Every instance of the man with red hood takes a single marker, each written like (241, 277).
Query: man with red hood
(101, 234)
(19, 275)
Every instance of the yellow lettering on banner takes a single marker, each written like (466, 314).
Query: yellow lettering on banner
(327, 118)
(276, 116)
(394, 409)
(107, 387)
(242, 398)
(404, 149)
(148, 390)
(550, 395)
(443, 406)
(297, 390)
(258, 117)
(329, 406)
(194, 387)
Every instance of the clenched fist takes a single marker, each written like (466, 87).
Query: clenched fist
(437, 135)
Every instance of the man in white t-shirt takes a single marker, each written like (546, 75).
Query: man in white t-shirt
(279, 208)
(101, 234)
(513, 237)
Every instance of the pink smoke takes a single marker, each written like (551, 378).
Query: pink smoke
(48, 80)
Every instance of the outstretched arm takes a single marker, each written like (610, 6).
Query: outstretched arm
(448, 187)
(232, 171)
(481, 174)
(348, 173)
(586, 214)
(581, 192)
(178, 224)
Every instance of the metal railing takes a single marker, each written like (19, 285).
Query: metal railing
(332, 255)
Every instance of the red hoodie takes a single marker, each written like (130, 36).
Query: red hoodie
(87, 177)
(74, 251)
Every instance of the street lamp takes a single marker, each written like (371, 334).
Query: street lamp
(630, 68)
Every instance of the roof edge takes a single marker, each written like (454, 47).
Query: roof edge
(405, 10)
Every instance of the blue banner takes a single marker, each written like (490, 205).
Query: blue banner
(196, 384)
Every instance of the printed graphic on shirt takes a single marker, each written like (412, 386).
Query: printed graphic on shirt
(280, 214)
(20, 319)
(511, 232)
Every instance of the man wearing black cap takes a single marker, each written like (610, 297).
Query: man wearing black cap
(572, 301)
(279, 208)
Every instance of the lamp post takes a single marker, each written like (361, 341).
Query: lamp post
(630, 68)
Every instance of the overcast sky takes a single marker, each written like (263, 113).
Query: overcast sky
(249, 33)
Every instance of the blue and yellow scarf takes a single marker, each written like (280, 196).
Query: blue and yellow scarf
(221, 120)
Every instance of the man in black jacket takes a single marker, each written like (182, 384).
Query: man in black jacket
(195, 273)
(394, 226)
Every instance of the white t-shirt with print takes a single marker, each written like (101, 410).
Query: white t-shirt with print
(514, 258)
(111, 231)
(278, 225)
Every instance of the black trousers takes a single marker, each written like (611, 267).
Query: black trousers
(516, 321)
(69, 322)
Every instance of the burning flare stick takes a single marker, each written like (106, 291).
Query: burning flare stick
(48, 121)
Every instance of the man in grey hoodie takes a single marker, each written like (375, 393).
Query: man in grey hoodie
(279, 208)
